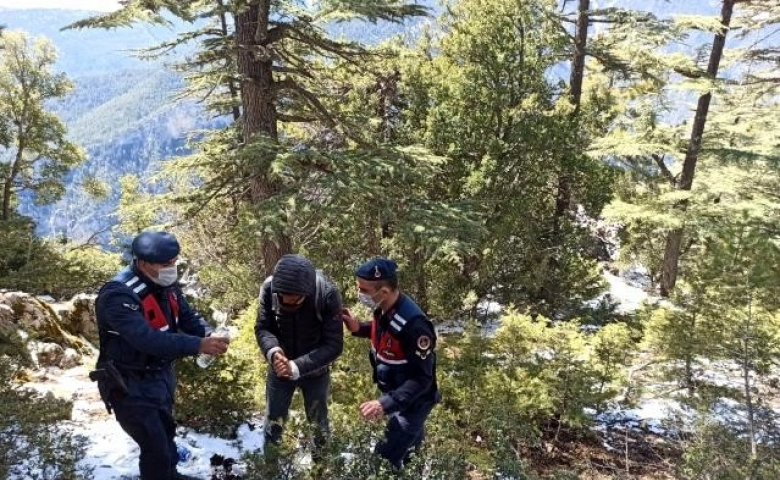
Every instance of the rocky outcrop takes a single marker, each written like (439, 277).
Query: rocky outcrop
(44, 334)
(78, 317)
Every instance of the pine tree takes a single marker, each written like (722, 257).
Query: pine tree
(269, 56)
(651, 141)
(32, 138)
(476, 92)
(741, 277)
(685, 181)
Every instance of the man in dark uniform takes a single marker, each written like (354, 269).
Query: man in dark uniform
(299, 332)
(402, 353)
(144, 324)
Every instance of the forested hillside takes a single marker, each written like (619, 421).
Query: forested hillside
(122, 110)
(583, 196)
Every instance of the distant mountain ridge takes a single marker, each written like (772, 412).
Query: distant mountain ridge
(122, 109)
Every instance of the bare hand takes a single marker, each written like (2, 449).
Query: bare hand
(213, 345)
(372, 410)
(281, 365)
(352, 323)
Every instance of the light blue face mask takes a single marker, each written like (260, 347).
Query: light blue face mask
(167, 276)
(367, 300)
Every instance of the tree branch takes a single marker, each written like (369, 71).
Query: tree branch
(293, 71)
(277, 33)
(310, 98)
(88, 242)
(659, 160)
(295, 118)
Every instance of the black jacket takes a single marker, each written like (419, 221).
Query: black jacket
(312, 344)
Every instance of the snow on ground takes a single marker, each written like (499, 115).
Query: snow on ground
(111, 452)
(113, 455)
(627, 291)
(628, 297)
(650, 414)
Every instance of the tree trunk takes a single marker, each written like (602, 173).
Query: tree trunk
(747, 360)
(671, 261)
(563, 197)
(235, 110)
(749, 404)
(254, 67)
(674, 238)
(273, 251)
(690, 385)
(578, 62)
(12, 174)
(7, 181)
(421, 277)
(259, 108)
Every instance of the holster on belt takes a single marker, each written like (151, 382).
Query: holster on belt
(111, 383)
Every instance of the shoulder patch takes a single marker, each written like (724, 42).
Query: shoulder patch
(131, 306)
(423, 346)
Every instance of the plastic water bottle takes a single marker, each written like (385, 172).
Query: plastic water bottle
(204, 360)
(183, 453)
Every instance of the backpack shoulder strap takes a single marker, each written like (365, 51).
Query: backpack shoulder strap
(322, 291)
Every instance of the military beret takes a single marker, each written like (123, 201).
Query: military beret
(377, 269)
(155, 247)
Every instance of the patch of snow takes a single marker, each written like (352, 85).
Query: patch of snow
(637, 276)
(489, 307)
(251, 437)
(629, 298)
(627, 292)
(648, 415)
(487, 329)
(111, 452)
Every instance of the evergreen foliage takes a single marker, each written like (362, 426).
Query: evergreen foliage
(475, 152)
(32, 445)
(35, 151)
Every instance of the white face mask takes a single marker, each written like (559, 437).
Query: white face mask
(167, 276)
(367, 300)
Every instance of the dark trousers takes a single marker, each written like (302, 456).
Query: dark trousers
(404, 431)
(278, 396)
(153, 429)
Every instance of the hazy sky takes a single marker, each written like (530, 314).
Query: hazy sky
(99, 5)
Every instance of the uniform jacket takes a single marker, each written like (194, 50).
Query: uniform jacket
(143, 348)
(403, 342)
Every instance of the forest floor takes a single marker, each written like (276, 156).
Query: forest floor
(626, 440)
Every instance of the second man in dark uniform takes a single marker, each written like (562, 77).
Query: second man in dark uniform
(403, 342)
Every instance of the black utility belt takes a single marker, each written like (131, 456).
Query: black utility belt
(140, 369)
(131, 372)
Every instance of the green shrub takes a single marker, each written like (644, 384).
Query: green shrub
(33, 445)
(717, 451)
(221, 397)
(50, 267)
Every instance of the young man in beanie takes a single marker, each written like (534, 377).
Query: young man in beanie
(402, 353)
(144, 324)
(299, 332)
